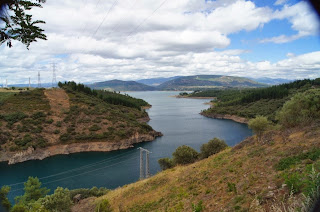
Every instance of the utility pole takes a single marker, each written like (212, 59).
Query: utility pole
(6, 83)
(29, 83)
(147, 163)
(54, 78)
(39, 81)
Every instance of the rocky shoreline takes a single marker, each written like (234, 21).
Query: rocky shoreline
(227, 116)
(63, 149)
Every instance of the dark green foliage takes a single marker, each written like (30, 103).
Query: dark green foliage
(212, 147)
(294, 182)
(231, 187)
(287, 162)
(103, 206)
(59, 201)
(4, 201)
(301, 109)
(250, 103)
(14, 117)
(197, 207)
(32, 191)
(184, 155)
(24, 141)
(165, 163)
(86, 193)
(94, 128)
(19, 208)
(109, 97)
(19, 25)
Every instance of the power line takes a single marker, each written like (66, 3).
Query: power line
(81, 167)
(78, 174)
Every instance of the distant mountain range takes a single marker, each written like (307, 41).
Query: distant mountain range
(157, 81)
(271, 81)
(119, 85)
(208, 82)
(197, 82)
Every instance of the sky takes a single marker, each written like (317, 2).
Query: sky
(99, 40)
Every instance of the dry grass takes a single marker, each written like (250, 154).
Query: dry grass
(238, 179)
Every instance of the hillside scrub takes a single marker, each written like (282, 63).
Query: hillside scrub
(214, 146)
(185, 155)
(301, 109)
(259, 125)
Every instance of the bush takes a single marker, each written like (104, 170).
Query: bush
(184, 155)
(165, 163)
(104, 206)
(85, 192)
(212, 147)
(94, 128)
(259, 125)
(301, 109)
(59, 201)
(4, 201)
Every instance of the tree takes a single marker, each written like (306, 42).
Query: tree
(59, 201)
(212, 147)
(184, 155)
(165, 163)
(4, 201)
(302, 109)
(20, 25)
(259, 125)
(32, 191)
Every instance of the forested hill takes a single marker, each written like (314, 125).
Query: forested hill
(202, 82)
(119, 85)
(249, 103)
(45, 118)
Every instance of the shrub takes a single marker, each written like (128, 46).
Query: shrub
(104, 206)
(165, 163)
(184, 155)
(4, 201)
(259, 125)
(301, 109)
(94, 128)
(85, 192)
(212, 147)
(59, 201)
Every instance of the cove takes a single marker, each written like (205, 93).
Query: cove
(177, 118)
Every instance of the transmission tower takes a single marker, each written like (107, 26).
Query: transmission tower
(39, 81)
(147, 163)
(54, 78)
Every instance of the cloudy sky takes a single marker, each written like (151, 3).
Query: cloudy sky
(97, 40)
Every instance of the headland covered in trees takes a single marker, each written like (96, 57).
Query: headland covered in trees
(39, 123)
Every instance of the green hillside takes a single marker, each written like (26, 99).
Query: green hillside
(119, 85)
(46, 117)
(205, 82)
(249, 103)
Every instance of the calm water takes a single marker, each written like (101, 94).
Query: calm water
(177, 119)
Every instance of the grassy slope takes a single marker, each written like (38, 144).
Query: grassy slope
(84, 119)
(236, 179)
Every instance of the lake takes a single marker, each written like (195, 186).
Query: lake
(177, 118)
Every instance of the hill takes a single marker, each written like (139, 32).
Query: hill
(252, 102)
(252, 176)
(39, 123)
(204, 82)
(119, 85)
(156, 81)
(271, 81)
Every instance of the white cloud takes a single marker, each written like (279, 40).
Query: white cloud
(302, 18)
(181, 38)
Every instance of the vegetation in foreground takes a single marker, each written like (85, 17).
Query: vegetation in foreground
(41, 117)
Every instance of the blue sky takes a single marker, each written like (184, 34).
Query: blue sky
(96, 40)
